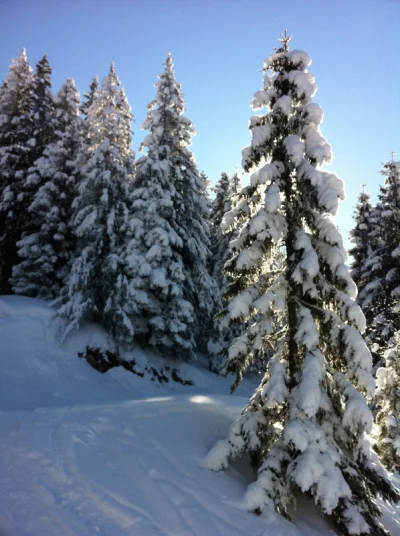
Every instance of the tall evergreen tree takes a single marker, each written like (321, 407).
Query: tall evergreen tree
(16, 140)
(227, 191)
(46, 252)
(235, 186)
(221, 336)
(42, 114)
(361, 237)
(206, 188)
(97, 286)
(205, 194)
(381, 275)
(219, 240)
(364, 238)
(305, 425)
(388, 399)
(42, 107)
(220, 202)
(173, 290)
(89, 96)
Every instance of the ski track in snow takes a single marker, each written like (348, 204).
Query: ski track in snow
(100, 470)
(80, 457)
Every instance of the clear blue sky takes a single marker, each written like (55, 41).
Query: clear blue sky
(218, 48)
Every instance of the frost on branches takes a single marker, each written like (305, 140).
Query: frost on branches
(305, 426)
(381, 292)
(97, 287)
(46, 252)
(388, 398)
(172, 291)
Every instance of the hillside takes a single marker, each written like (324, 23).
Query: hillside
(85, 454)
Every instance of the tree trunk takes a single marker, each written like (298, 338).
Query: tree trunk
(292, 220)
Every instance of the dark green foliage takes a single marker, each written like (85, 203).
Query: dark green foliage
(105, 360)
(101, 360)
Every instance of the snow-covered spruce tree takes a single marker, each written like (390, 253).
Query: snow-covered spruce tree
(220, 337)
(219, 241)
(89, 96)
(205, 193)
(229, 233)
(47, 252)
(235, 185)
(97, 286)
(206, 190)
(361, 238)
(365, 238)
(42, 107)
(173, 289)
(16, 132)
(220, 202)
(226, 191)
(388, 399)
(306, 424)
(208, 203)
(381, 274)
(206, 185)
(42, 113)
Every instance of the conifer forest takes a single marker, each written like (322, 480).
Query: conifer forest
(181, 289)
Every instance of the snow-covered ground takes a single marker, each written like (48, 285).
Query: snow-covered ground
(85, 454)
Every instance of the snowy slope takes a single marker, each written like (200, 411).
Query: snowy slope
(85, 454)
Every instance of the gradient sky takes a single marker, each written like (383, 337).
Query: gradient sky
(218, 47)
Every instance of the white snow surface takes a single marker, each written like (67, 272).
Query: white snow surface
(85, 454)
